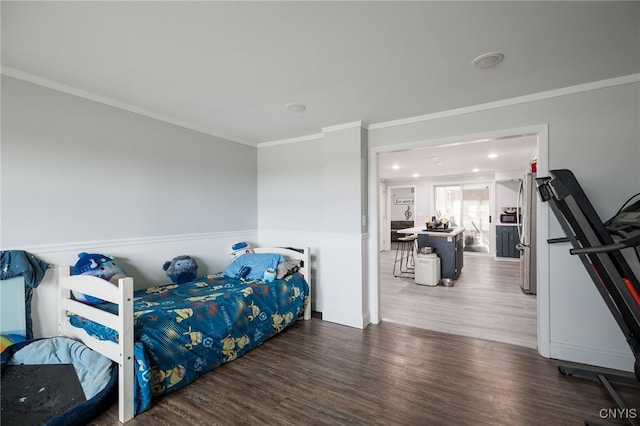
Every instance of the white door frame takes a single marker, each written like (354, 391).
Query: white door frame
(542, 217)
(383, 219)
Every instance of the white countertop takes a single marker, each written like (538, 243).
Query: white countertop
(423, 230)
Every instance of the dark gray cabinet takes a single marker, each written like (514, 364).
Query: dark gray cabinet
(506, 241)
(449, 249)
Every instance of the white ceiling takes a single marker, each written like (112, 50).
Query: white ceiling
(464, 158)
(228, 68)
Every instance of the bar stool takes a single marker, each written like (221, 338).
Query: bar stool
(404, 255)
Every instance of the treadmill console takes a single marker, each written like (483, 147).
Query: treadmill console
(626, 224)
(628, 216)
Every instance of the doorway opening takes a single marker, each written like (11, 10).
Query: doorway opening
(470, 200)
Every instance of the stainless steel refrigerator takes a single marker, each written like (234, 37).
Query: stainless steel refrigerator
(527, 233)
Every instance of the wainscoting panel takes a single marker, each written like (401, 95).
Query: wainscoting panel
(141, 258)
(338, 271)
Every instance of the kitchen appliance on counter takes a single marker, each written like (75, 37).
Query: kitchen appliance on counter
(510, 216)
(526, 222)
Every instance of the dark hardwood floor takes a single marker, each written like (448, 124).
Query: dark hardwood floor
(320, 373)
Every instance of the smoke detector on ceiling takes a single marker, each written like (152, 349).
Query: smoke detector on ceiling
(488, 60)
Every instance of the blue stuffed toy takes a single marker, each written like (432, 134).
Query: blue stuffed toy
(181, 269)
(97, 265)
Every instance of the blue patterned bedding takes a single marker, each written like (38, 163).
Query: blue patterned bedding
(188, 329)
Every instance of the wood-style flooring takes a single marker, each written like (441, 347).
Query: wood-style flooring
(486, 301)
(320, 373)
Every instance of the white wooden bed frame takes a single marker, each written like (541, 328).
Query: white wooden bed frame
(122, 295)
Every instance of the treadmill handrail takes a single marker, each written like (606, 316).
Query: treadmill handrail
(598, 249)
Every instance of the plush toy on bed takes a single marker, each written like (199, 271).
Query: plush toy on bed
(181, 269)
(97, 265)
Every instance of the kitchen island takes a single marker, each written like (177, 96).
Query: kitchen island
(447, 243)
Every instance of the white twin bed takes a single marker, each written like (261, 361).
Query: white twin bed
(258, 311)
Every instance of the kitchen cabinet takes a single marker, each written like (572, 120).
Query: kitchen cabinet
(447, 244)
(506, 241)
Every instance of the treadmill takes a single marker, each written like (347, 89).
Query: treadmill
(600, 247)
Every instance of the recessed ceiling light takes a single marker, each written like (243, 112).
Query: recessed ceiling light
(487, 60)
(492, 155)
(295, 107)
(476, 170)
(395, 167)
(416, 175)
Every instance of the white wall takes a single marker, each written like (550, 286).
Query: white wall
(506, 196)
(76, 170)
(397, 211)
(596, 133)
(290, 202)
(146, 198)
(77, 176)
(325, 180)
(290, 181)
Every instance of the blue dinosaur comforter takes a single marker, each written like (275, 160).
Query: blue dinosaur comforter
(188, 329)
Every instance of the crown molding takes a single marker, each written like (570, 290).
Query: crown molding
(30, 78)
(290, 140)
(351, 125)
(337, 127)
(612, 82)
(595, 85)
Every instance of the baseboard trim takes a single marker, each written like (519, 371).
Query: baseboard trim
(345, 318)
(591, 356)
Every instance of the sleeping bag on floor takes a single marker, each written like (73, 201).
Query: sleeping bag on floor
(55, 381)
